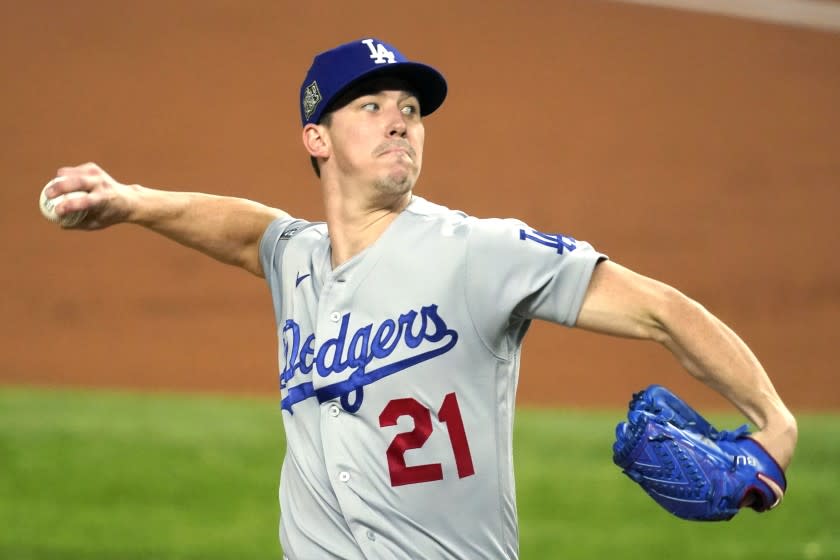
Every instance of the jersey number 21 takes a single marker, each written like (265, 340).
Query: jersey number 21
(449, 414)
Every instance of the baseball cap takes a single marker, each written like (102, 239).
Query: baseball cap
(334, 71)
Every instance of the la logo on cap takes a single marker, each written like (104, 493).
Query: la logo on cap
(335, 70)
(379, 53)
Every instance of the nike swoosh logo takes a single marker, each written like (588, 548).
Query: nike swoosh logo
(301, 279)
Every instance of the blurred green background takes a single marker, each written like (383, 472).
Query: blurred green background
(106, 475)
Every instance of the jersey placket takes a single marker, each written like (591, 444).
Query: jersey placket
(342, 471)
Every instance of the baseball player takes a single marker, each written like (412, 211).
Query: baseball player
(400, 323)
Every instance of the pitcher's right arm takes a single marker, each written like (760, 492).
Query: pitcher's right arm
(228, 229)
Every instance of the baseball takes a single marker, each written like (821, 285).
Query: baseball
(48, 205)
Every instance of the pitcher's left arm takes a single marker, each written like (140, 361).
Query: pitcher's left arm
(623, 303)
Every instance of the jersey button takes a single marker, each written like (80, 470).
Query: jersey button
(344, 476)
(335, 316)
(371, 535)
(334, 410)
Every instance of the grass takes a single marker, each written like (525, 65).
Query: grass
(102, 475)
(98, 475)
(574, 503)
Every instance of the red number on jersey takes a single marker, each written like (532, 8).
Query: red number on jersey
(449, 414)
(400, 472)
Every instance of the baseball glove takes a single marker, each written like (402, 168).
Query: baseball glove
(689, 467)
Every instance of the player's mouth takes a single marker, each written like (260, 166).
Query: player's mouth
(399, 154)
(399, 149)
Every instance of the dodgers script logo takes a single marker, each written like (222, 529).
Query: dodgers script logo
(412, 338)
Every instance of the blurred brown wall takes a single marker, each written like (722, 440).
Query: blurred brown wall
(697, 149)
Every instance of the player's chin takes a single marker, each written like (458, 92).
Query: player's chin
(396, 182)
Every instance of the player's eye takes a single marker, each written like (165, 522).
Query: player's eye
(370, 106)
(410, 110)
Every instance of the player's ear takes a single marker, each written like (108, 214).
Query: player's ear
(315, 140)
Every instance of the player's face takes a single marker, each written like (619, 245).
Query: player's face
(378, 138)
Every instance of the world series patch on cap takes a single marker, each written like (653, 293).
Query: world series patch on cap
(334, 71)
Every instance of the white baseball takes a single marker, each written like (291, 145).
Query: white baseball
(48, 205)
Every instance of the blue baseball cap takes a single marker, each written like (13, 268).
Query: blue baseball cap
(334, 71)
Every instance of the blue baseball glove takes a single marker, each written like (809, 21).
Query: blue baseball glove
(688, 466)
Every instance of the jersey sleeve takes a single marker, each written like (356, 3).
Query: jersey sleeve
(272, 248)
(515, 274)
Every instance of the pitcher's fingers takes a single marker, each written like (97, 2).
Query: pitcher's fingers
(88, 168)
(62, 184)
(77, 203)
(71, 175)
(52, 189)
(68, 171)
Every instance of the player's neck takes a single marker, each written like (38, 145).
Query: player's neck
(355, 223)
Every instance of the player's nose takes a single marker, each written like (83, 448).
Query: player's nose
(397, 126)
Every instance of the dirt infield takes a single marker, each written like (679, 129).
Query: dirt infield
(696, 149)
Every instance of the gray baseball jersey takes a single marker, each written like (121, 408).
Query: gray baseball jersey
(398, 379)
